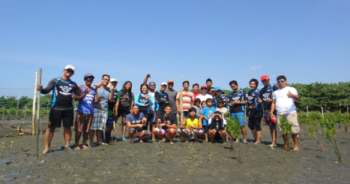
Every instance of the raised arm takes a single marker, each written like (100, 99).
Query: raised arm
(146, 78)
(48, 88)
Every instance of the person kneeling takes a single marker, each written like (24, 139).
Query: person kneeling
(191, 127)
(216, 127)
(135, 122)
(166, 125)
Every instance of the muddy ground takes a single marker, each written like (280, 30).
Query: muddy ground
(180, 163)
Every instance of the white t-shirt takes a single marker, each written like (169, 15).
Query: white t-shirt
(204, 97)
(284, 104)
(150, 93)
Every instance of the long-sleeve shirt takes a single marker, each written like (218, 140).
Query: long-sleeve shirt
(162, 99)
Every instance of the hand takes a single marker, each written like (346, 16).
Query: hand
(140, 125)
(115, 114)
(97, 85)
(268, 99)
(87, 91)
(182, 127)
(146, 105)
(148, 97)
(290, 95)
(259, 100)
(148, 76)
(39, 87)
(74, 96)
(272, 115)
(112, 88)
(178, 111)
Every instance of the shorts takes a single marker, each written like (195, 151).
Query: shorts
(254, 123)
(190, 133)
(205, 128)
(141, 133)
(110, 121)
(165, 133)
(99, 119)
(144, 111)
(123, 111)
(186, 114)
(292, 118)
(240, 116)
(56, 117)
(83, 122)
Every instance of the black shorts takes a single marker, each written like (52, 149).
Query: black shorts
(56, 117)
(144, 111)
(123, 111)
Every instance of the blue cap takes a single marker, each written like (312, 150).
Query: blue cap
(218, 89)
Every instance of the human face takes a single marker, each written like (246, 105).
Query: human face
(209, 103)
(234, 87)
(68, 72)
(282, 83)
(218, 93)
(197, 103)
(212, 92)
(195, 89)
(152, 86)
(135, 110)
(162, 87)
(209, 83)
(167, 110)
(217, 118)
(220, 105)
(128, 86)
(170, 85)
(185, 86)
(204, 104)
(114, 84)
(266, 82)
(144, 89)
(252, 85)
(105, 81)
(89, 80)
(192, 114)
(204, 91)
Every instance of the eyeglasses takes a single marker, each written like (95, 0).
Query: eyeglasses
(89, 79)
(70, 71)
(280, 82)
(105, 79)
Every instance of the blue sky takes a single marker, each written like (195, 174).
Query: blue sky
(307, 41)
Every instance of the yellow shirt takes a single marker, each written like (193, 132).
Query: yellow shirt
(190, 123)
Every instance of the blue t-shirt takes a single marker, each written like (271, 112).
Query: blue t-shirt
(134, 119)
(207, 112)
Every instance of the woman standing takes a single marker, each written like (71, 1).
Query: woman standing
(144, 101)
(126, 101)
(254, 110)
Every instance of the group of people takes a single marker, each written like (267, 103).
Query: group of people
(155, 113)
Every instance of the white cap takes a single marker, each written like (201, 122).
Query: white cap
(164, 83)
(113, 80)
(69, 67)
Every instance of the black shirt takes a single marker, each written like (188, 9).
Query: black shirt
(265, 93)
(171, 120)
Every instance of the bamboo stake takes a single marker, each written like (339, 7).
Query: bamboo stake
(18, 105)
(34, 104)
(322, 112)
(38, 115)
(181, 107)
(307, 111)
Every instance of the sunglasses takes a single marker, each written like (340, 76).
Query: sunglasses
(152, 85)
(89, 79)
(70, 71)
(105, 79)
(203, 88)
(280, 82)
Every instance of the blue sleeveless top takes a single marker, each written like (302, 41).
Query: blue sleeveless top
(86, 105)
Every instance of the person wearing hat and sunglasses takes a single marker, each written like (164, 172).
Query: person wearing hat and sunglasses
(266, 100)
(85, 111)
(64, 91)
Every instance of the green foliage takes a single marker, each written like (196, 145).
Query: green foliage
(286, 127)
(331, 136)
(233, 127)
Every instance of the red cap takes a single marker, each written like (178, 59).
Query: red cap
(204, 86)
(265, 77)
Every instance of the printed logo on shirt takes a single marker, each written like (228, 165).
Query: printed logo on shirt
(210, 113)
(65, 90)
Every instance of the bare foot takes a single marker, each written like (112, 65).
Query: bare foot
(172, 142)
(296, 149)
(45, 151)
(76, 148)
(141, 141)
(85, 147)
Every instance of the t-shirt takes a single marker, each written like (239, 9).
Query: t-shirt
(128, 96)
(223, 111)
(204, 97)
(223, 97)
(191, 123)
(265, 93)
(187, 98)
(195, 95)
(253, 97)
(162, 99)
(103, 104)
(284, 104)
(86, 105)
(152, 107)
(115, 99)
(134, 120)
(207, 112)
(198, 111)
(171, 120)
(172, 97)
(239, 96)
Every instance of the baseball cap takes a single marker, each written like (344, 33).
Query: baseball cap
(164, 83)
(69, 67)
(265, 77)
(113, 80)
(218, 89)
(170, 81)
(88, 75)
(204, 86)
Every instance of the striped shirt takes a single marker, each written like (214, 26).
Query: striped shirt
(187, 98)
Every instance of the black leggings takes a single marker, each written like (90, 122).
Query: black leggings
(254, 123)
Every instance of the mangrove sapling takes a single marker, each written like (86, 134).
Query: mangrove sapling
(286, 129)
(312, 134)
(234, 128)
(331, 137)
(346, 120)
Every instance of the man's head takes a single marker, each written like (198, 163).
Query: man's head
(170, 84)
(195, 88)
(186, 85)
(253, 83)
(135, 110)
(209, 82)
(88, 78)
(163, 86)
(212, 91)
(218, 91)
(192, 112)
(282, 81)
(209, 102)
(167, 110)
(234, 85)
(204, 89)
(105, 80)
(152, 86)
(68, 71)
(265, 80)
(113, 82)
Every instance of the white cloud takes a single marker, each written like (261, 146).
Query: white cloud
(255, 67)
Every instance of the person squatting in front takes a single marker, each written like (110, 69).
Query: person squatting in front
(136, 121)
(166, 125)
(190, 127)
(217, 127)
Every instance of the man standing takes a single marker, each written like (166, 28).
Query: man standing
(209, 83)
(135, 122)
(283, 102)
(172, 95)
(64, 91)
(266, 100)
(187, 99)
